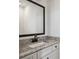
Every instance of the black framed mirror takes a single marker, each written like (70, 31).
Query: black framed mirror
(31, 18)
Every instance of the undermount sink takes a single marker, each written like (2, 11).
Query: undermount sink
(37, 44)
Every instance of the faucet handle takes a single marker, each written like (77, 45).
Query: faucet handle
(35, 39)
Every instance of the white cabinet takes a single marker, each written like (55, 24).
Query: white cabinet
(51, 52)
(52, 55)
(55, 54)
(32, 56)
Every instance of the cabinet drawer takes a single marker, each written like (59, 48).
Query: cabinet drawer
(47, 50)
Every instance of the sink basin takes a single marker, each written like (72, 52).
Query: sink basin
(37, 44)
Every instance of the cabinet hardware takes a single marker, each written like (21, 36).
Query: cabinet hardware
(55, 46)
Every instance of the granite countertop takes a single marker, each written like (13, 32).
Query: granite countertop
(25, 50)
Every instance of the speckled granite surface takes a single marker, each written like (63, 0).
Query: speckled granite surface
(25, 50)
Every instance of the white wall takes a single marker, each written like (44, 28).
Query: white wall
(54, 18)
(21, 15)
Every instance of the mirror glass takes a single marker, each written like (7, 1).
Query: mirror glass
(30, 18)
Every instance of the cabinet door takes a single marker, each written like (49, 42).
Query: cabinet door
(51, 52)
(50, 56)
(53, 55)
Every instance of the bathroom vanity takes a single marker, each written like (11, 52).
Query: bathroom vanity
(32, 23)
(47, 50)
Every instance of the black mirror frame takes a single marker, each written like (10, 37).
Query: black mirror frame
(24, 35)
